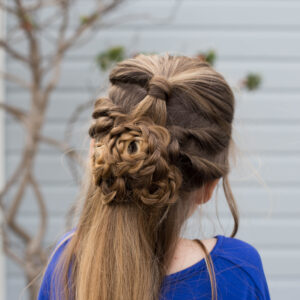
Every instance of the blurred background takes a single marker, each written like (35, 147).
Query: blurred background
(54, 61)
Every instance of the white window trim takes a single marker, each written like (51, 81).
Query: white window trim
(2, 157)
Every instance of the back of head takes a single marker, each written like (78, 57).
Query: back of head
(163, 130)
(198, 111)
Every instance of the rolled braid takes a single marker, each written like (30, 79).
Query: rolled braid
(105, 113)
(131, 160)
(204, 166)
(209, 139)
(201, 163)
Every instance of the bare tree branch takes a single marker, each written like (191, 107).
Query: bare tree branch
(59, 55)
(34, 50)
(89, 23)
(83, 27)
(39, 87)
(63, 147)
(17, 113)
(35, 243)
(15, 79)
(12, 52)
(42, 4)
(11, 181)
(7, 8)
(8, 250)
(10, 219)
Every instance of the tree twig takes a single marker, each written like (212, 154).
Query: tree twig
(35, 243)
(15, 79)
(12, 52)
(64, 147)
(10, 219)
(17, 113)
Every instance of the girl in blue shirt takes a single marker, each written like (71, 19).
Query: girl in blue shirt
(160, 143)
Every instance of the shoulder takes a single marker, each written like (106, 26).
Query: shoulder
(63, 240)
(59, 246)
(242, 260)
(61, 243)
(240, 251)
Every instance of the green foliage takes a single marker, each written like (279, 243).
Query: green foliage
(27, 21)
(86, 19)
(209, 56)
(252, 81)
(107, 58)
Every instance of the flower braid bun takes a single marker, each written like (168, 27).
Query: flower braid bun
(131, 158)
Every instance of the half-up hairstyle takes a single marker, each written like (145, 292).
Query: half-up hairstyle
(163, 130)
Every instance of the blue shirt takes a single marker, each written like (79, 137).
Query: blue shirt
(238, 270)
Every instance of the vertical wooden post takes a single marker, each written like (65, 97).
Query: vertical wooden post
(2, 156)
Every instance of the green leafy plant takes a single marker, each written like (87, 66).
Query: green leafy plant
(85, 20)
(210, 56)
(107, 58)
(252, 81)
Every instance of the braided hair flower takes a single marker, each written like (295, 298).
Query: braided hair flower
(131, 161)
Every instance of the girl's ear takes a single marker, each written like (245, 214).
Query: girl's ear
(208, 191)
(211, 188)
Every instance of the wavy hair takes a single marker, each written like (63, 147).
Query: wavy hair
(163, 131)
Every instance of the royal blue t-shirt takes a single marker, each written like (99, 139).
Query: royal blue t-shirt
(238, 270)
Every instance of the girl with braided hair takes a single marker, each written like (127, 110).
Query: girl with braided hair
(160, 143)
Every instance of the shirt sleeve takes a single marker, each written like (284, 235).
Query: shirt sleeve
(44, 291)
(245, 276)
(261, 280)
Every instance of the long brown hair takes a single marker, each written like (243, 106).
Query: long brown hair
(163, 131)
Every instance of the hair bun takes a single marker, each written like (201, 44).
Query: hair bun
(159, 87)
(131, 163)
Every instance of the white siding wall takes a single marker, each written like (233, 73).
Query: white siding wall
(260, 36)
